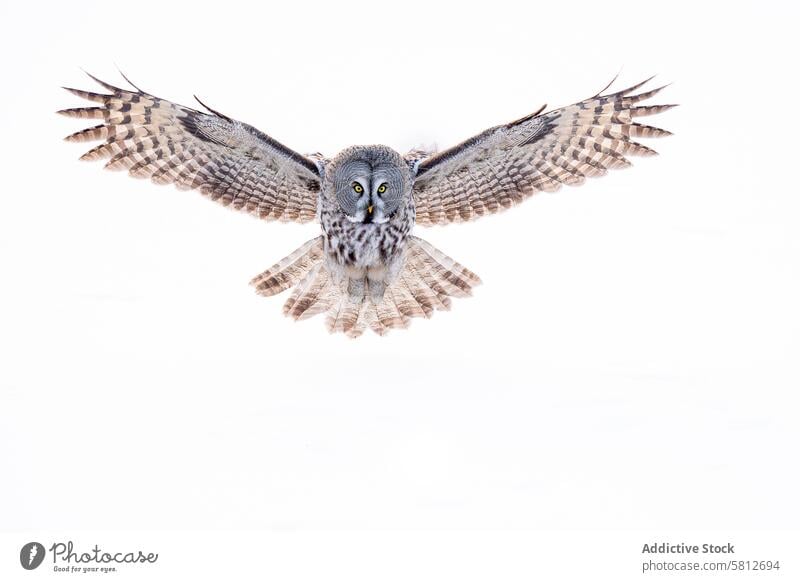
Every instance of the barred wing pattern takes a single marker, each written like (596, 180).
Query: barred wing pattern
(506, 164)
(229, 161)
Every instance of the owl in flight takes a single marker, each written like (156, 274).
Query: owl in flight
(366, 269)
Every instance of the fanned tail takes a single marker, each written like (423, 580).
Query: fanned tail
(426, 283)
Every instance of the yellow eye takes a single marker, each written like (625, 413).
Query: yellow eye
(358, 188)
(382, 188)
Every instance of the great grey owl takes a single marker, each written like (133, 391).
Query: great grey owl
(366, 269)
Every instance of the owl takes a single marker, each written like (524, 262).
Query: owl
(367, 269)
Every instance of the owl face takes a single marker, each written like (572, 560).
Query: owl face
(371, 183)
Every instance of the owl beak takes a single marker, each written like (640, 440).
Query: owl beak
(369, 209)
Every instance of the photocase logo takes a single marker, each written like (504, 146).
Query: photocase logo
(31, 555)
(69, 558)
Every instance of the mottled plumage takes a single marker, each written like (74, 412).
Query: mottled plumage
(366, 269)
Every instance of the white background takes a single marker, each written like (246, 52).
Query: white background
(630, 362)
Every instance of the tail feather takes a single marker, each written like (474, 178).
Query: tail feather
(311, 296)
(300, 288)
(406, 304)
(454, 277)
(426, 283)
(388, 315)
(346, 315)
(366, 311)
(420, 293)
(289, 270)
(419, 271)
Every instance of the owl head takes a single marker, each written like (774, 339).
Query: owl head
(370, 183)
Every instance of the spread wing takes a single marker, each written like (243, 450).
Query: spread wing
(227, 160)
(506, 164)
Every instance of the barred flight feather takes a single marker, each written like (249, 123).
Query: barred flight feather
(540, 152)
(228, 161)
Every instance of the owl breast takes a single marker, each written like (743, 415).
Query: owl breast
(365, 245)
(355, 250)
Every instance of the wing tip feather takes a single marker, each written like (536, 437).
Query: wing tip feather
(107, 86)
